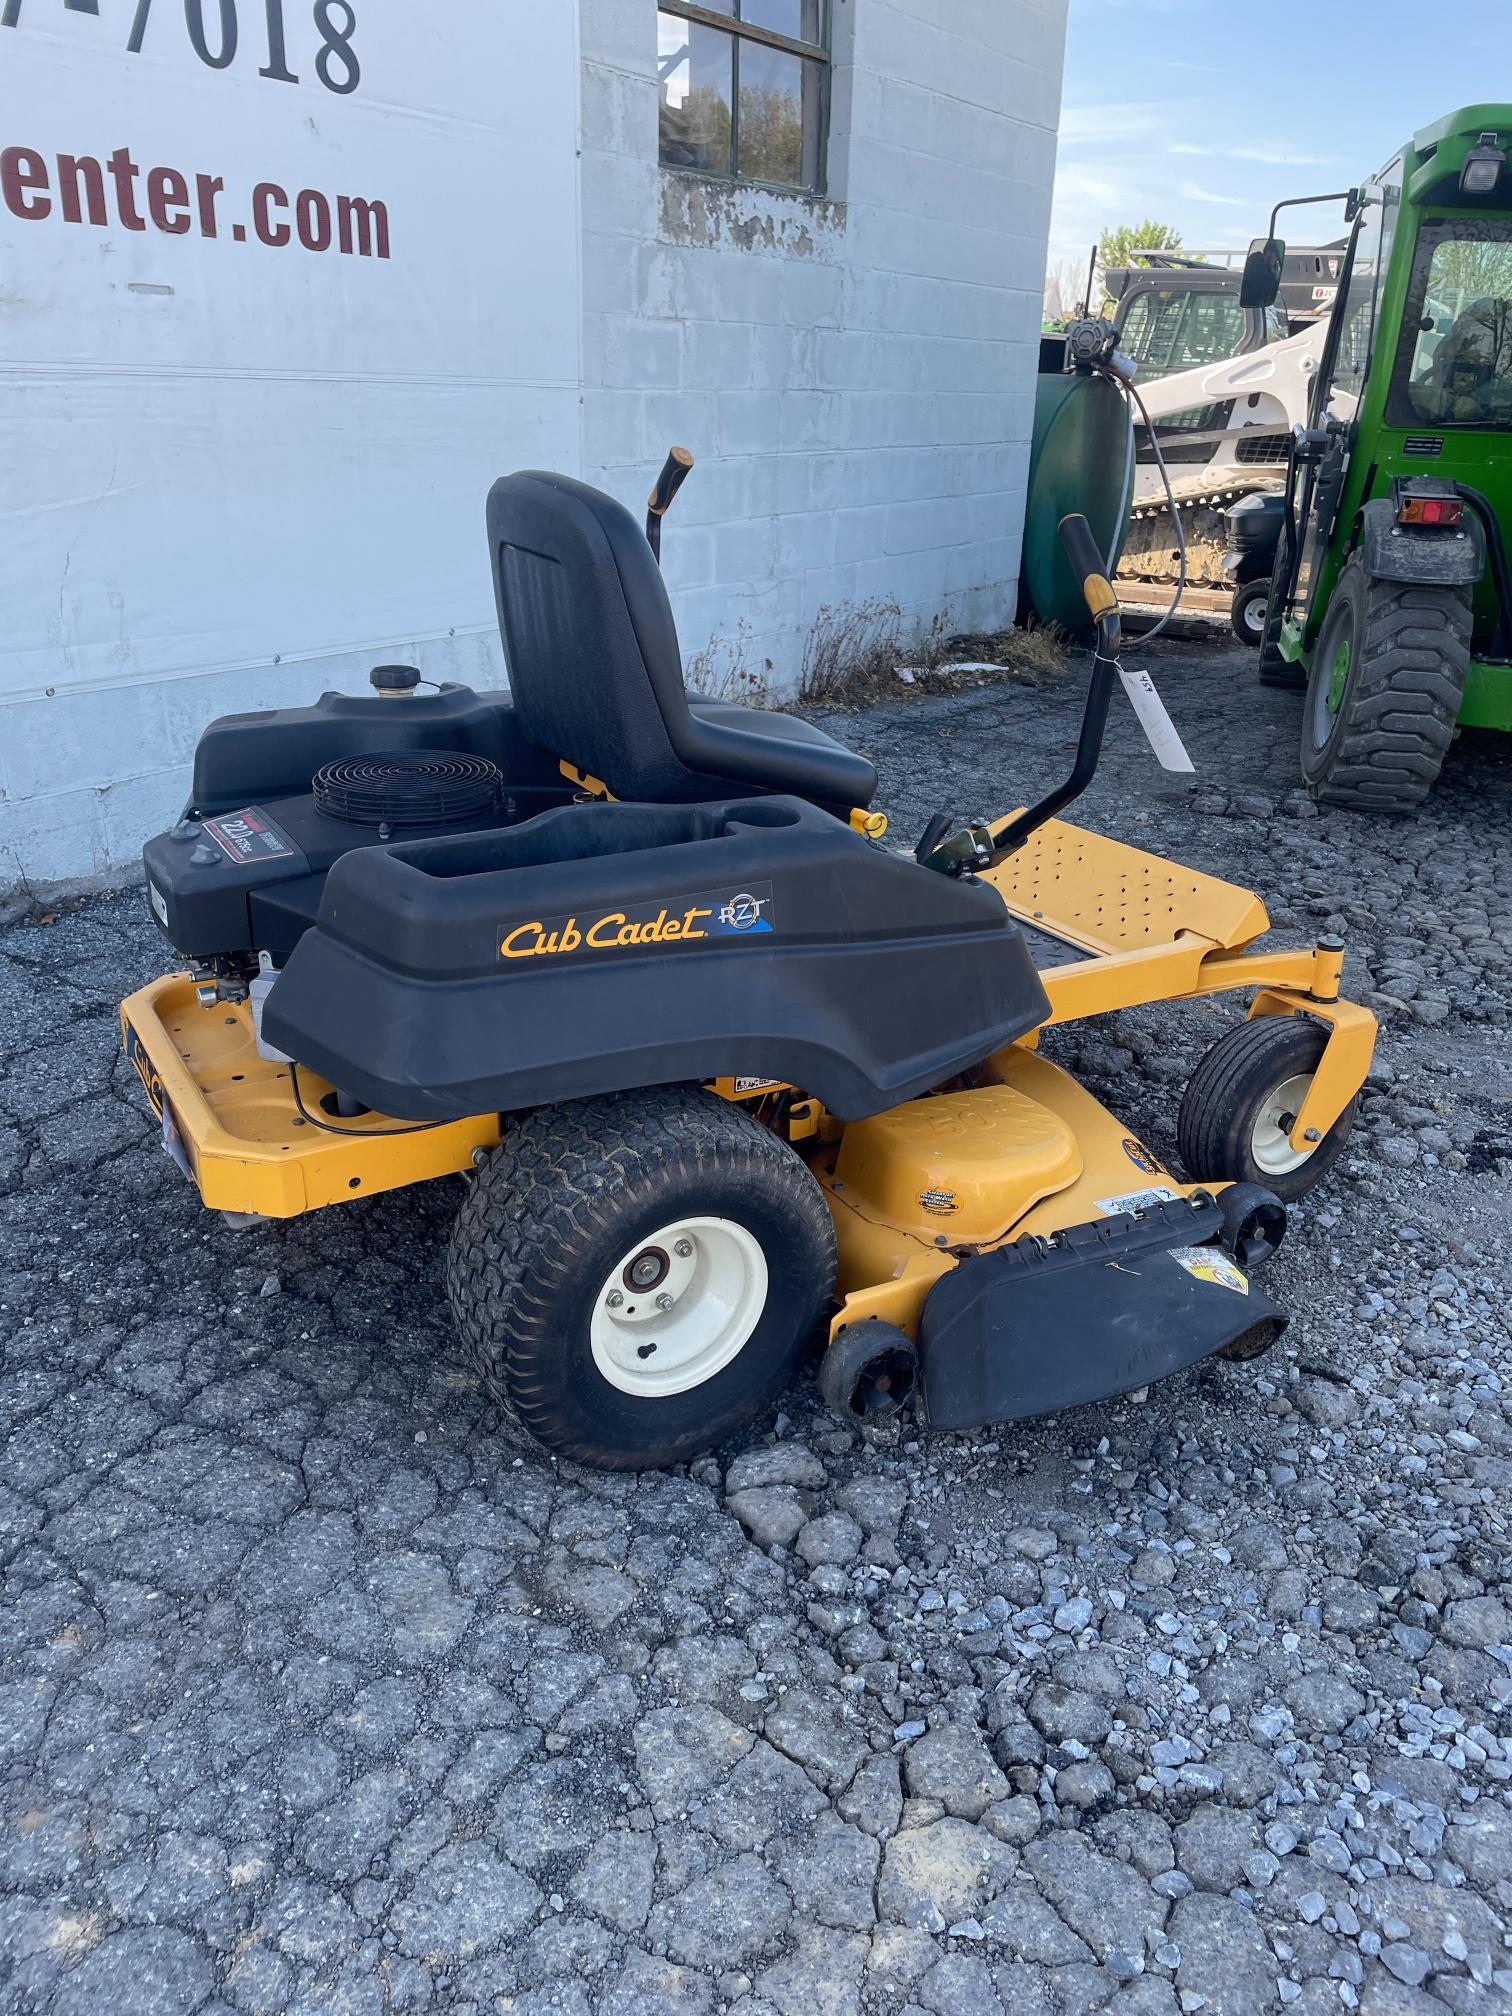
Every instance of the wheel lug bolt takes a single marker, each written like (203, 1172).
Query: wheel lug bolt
(614, 1298)
(684, 1249)
(664, 1301)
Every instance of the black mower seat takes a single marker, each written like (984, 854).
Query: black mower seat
(596, 673)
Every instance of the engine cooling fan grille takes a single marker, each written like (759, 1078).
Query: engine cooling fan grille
(415, 787)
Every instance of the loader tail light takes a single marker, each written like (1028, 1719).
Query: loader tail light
(1430, 510)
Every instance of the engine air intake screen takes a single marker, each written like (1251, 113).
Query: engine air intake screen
(418, 787)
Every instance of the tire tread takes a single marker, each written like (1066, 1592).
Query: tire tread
(1405, 699)
(529, 1217)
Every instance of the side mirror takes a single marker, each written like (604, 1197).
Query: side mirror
(1262, 273)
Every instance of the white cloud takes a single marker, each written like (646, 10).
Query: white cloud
(1275, 156)
(1195, 193)
(1105, 125)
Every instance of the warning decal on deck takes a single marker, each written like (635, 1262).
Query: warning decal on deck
(1137, 1200)
(1206, 1263)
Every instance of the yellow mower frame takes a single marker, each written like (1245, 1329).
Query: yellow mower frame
(1141, 929)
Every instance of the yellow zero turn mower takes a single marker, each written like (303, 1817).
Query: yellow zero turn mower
(721, 1068)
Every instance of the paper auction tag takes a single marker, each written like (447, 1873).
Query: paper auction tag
(1159, 728)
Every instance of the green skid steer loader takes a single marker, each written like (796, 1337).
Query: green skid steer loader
(1390, 601)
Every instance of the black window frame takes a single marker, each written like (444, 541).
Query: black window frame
(740, 31)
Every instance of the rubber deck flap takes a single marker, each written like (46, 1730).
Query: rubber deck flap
(1034, 1327)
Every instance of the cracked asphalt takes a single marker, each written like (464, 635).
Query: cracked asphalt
(321, 1690)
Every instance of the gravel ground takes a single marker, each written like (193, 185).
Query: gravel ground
(323, 1692)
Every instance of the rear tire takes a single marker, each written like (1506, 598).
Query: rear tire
(1232, 1125)
(1273, 669)
(1384, 694)
(636, 1276)
(1248, 611)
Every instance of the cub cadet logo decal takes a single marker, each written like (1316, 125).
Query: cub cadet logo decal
(1140, 1156)
(743, 915)
(146, 1070)
(939, 1203)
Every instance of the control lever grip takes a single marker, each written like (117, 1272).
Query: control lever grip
(1080, 549)
(939, 825)
(674, 473)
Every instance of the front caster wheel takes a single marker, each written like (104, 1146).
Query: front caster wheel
(869, 1373)
(636, 1276)
(1240, 1104)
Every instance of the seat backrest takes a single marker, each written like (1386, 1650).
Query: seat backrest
(589, 639)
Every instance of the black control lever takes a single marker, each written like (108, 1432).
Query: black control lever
(939, 825)
(674, 473)
(981, 847)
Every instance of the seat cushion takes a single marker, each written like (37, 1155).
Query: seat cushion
(775, 752)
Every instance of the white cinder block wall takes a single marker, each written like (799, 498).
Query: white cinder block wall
(239, 474)
(855, 374)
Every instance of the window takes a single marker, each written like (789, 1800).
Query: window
(1375, 235)
(1455, 364)
(745, 88)
(1173, 329)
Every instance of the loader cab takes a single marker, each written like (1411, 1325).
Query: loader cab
(1402, 481)
(1179, 318)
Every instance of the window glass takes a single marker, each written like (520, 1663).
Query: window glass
(733, 104)
(1174, 330)
(1212, 329)
(1459, 340)
(696, 68)
(797, 18)
(779, 126)
(1135, 331)
(1358, 308)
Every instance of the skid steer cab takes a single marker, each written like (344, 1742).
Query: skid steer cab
(1390, 601)
(726, 1075)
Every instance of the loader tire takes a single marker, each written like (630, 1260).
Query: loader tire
(1384, 693)
(636, 1276)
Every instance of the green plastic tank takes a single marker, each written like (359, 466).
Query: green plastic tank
(1082, 459)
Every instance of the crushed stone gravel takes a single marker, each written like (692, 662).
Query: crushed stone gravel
(321, 1689)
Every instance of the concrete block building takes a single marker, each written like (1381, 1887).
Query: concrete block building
(288, 296)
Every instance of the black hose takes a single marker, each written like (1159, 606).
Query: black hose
(358, 1133)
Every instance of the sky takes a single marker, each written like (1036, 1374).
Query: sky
(1203, 113)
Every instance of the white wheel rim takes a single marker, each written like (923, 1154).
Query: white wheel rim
(1271, 1144)
(1254, 614)
(678, 1306)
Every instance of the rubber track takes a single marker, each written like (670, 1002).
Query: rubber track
(1405, 702)
(516, 1247)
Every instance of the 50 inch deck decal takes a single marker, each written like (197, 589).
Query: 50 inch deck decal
(736, 913)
